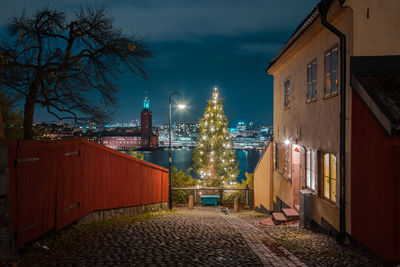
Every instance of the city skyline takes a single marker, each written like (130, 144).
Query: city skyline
(197, 46)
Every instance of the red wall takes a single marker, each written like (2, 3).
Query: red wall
(56, 183)
(375, 184)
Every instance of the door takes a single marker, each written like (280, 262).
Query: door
(296, 175)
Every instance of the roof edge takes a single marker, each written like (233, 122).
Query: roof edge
(303, 26)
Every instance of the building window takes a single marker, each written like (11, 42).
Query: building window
(331, 72)
(283, 159)
(329, 173)
(312, 80)
(287, 93)
(311, 168)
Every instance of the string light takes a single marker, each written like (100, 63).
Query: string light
(215, 146)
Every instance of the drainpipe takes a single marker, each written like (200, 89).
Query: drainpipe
(323, 7)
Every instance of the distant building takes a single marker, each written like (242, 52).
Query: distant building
(146, 124)
(125, 142)
(128, 138)
(186, 130)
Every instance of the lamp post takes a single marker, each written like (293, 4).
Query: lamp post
(180, 106)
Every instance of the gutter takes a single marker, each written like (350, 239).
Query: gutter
(323, 8)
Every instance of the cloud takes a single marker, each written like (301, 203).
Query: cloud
(259, 48)
(161, 20)
(190, 20)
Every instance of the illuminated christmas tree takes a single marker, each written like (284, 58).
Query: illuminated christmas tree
(214, 158)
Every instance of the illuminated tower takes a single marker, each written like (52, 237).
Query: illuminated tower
(146, 126)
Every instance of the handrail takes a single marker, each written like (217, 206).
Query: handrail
(211, 188)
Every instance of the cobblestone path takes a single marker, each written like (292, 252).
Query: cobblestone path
(201, 237)
(255, 238)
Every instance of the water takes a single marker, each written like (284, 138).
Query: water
(182, 159)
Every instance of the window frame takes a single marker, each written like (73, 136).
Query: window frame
(309, 168)
(331, 93)
(283, 159)
(286, 94)
(309, 98)
(330, 177)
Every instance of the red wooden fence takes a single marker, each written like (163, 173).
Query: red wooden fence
(56, 183)
(375, 184)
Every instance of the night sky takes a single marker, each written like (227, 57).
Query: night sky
(197, 44)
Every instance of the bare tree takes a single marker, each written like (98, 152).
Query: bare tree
(67, 66)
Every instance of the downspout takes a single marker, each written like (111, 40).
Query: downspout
(323, 7)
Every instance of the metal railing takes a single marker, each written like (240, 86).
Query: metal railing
(227, 194)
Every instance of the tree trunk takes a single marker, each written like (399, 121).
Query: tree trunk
(28, 119)
(7, 247)
(29, 111)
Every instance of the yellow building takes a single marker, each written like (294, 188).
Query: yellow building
(313, 108)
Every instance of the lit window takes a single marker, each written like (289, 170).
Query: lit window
(331, 71)
(312, 80)
(329, 183)
(287, 93)
(311, 165)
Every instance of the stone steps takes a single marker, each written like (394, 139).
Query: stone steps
(278, 218)
(290, 214)
(297, 208)
(268, 222)
(287, 215)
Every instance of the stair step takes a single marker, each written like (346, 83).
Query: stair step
(291, 214)
(278, 218)
(268, 222)
(297, 208)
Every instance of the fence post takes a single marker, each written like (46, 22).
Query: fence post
(236, 204)
(247, 197)
(190, 204)
(195, 196)
(221, 197)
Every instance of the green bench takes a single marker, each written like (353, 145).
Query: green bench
(209, 200)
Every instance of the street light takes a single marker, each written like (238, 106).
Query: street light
(180, 106)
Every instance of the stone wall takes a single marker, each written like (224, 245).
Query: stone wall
(121, 212)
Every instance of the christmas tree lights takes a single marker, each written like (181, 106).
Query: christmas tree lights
(214, 158)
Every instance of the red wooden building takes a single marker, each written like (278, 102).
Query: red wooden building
(375, 154)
